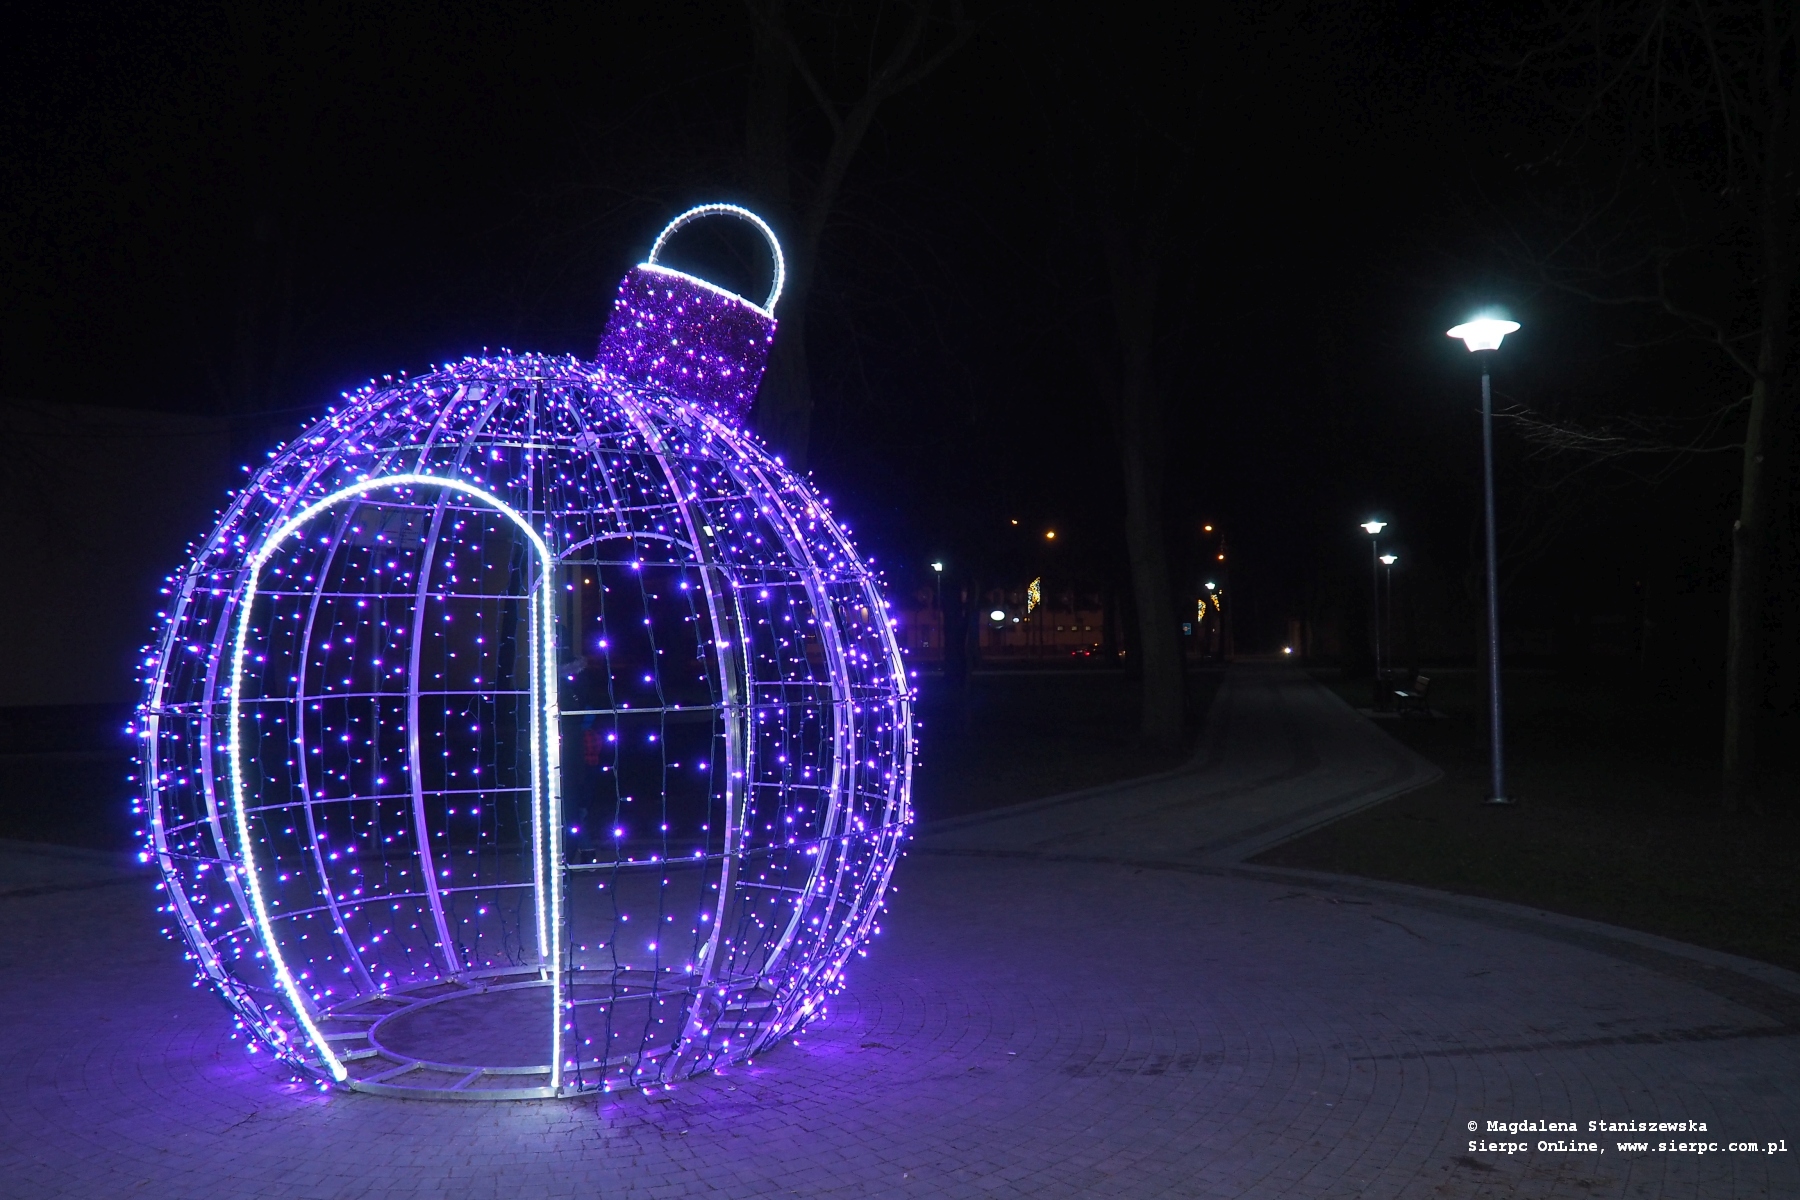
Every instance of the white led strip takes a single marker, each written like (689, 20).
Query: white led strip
(726, 210)
(550, 801)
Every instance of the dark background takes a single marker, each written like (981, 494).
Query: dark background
(245, 210)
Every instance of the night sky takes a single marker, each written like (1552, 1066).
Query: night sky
(245, 212)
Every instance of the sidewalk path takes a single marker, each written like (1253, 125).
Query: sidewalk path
(1280, 755)
(1089, 999)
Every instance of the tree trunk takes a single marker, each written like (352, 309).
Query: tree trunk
(954, 621)
(1750, 533)
(766, 116)
(1745, 686)
(1743, 643)
(784, 404)
(1135, 273)
(1162, 703)
(786, 413)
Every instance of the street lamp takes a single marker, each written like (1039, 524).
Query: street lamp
(1373, 528)
(1483, 336)
(1212, 591)
(1387, 611)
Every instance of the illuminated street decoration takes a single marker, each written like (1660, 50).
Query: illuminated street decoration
(525, 728)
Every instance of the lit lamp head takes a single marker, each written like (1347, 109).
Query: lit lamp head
(1484, 333)
(938, 567)
(1374, 527)
(1212, 587)
(1388, 560)
(997, 615)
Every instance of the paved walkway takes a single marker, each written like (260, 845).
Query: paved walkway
(1089, 998)
(1280, 755)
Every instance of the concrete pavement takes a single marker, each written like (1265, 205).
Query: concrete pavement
(1279, 755)
(1088, 997)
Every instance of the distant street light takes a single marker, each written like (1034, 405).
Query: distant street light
(1483, 336)
(937, 578)
(1387, 612)
(997, 615)
(1373, 528)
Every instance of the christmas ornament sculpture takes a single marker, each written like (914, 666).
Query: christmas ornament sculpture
(525, 728)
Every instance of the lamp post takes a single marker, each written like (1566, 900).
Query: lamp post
(1373, 528)
(937, 577)
(1483, 336)
(1387, 611)
(1212, 592)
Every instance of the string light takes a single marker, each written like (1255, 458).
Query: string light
(539, 688)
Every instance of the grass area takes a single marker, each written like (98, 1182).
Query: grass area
(1003, 739)
(1617, 819)
(1008, 738)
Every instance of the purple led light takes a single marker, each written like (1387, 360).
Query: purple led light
(678, 335)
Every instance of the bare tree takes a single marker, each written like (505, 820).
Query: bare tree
(1680, 140)
(1136, 261)
(851, 57)
(1123, 109)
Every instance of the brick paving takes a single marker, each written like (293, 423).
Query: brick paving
(1117, 1015)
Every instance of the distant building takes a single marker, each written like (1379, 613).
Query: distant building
(1031, 620)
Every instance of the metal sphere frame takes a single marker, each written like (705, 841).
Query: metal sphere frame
(525, 728)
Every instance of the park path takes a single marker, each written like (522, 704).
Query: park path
(1279, 755)
(1092, 997)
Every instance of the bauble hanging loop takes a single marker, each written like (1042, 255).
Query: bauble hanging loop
(743, 214)
(680, 335)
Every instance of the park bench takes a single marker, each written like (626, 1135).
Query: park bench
(1415, 697)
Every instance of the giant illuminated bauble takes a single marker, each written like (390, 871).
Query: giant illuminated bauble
(526, 728)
